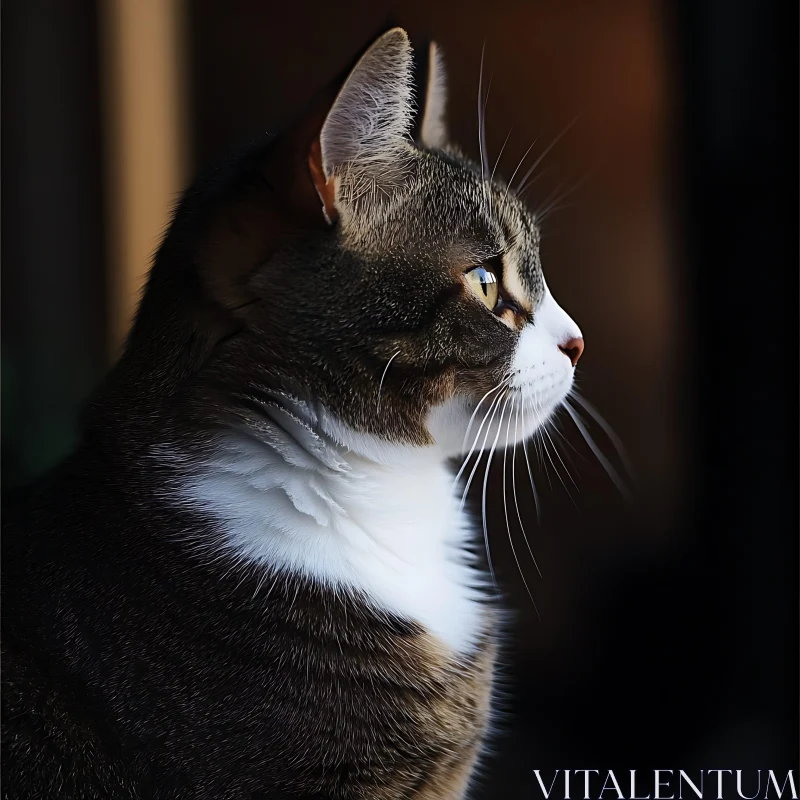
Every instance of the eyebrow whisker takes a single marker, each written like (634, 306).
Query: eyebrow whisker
(538, 161)
(499, 155)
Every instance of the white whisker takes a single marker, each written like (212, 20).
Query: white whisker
(546, 433)
(546, 202)
(499, 155)
(544, 153)
(514, 487)
(537, 441)
(566, 455)
(493, 409)
(485, 483)
(606, 464)
(542, 434)
(609, 431)
(530, 472)
(380, 385)
(568, 443)
(494, 402)
(516, 170)
(481, 118)
(558, 202)
(514, 406)
(472, 418)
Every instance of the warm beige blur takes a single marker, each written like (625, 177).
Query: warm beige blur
(142, 49)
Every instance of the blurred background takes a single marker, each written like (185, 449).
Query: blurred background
(667, 628)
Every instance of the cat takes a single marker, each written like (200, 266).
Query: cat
(253, 578)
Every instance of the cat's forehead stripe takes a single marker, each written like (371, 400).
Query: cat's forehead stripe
(522, 274)
(512, 282)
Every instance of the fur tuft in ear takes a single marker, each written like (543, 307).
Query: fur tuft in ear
(433, 133)
(367, 127)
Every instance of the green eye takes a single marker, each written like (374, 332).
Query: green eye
(484, 283)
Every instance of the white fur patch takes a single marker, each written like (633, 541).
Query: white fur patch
(378, 518)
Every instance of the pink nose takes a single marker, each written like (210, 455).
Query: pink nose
(572, 350)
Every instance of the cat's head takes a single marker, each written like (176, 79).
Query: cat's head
(394, 284)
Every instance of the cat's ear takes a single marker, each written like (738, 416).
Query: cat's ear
(363, 141)
(433, 131)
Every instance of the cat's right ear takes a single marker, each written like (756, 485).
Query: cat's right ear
(351, 142)
(363, 143)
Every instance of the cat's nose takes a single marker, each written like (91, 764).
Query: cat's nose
(572, 350)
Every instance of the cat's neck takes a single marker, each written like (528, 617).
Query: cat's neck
(371, 516)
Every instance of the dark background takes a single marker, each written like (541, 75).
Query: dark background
(668, 635)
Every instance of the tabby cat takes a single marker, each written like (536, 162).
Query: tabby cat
(253, 578)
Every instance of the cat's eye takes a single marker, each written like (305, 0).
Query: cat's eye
(484, 283)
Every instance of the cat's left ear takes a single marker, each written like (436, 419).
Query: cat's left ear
(433, 131)
(363, 143)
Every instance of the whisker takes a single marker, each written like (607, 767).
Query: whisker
(516, 170)
(485, 483)
(481, 118)
(380, 386)
(505, 508)
(546, 202)
(523, 190)
(542, 461)
(561, 461)
(538, 443)
(485, 167)
(540, 218)
(472, 418)
(552, 426)
(499, 155)
(486, 188)
(530, 472)
(495, 405)
(558, 202)
(609, 431)
(472, 450)
(568, 443)
(480, 428)
(542, 434)
(546, 151)
(514, 487)
(606, 464)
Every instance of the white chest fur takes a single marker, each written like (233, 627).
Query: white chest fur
(393, 531)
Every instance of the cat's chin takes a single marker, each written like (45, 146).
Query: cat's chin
(459, 428)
